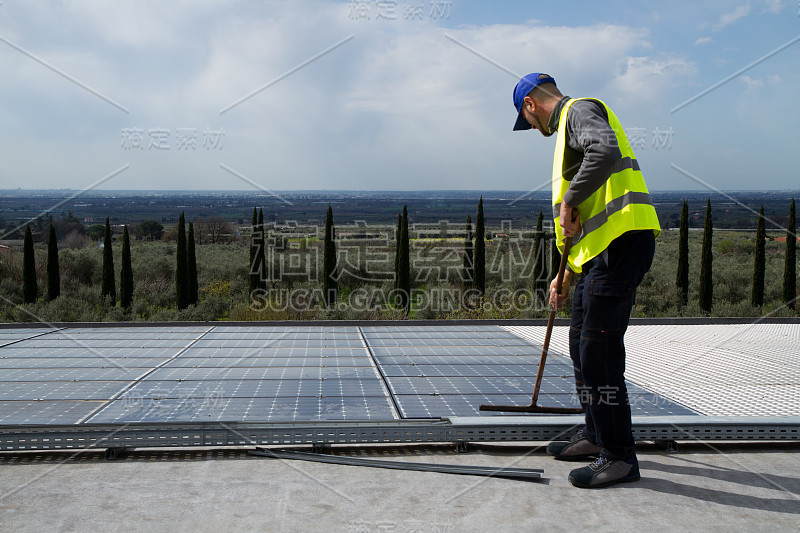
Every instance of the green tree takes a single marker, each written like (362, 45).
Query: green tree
(53, 273)
(759, 262)
(790, 262)
(469, 271)
(404, 265)
(30, 288)
(108, 285)
(682, 277)
(706, 260)
(539, 255)
(126, 274)
(151, 230)
(181, 271)
(96, 232)
(330, 285)
(480, 251)
(191, 267)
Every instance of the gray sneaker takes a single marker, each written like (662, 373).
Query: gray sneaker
(604, 472)
(575, 449)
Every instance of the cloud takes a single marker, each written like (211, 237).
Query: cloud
(772, 6)
(752, 83)
(399, 106)
(702, 40)
(726, 19)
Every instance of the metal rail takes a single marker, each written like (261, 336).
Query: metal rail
(457, 429)
(488, 471)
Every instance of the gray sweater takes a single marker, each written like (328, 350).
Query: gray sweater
(592, 149)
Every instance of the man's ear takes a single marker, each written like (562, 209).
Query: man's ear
(528, 100)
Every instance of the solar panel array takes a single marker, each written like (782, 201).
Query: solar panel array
(275, 374)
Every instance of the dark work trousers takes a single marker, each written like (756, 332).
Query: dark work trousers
(601, 309)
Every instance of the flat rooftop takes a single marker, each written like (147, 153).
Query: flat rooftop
(225, 388)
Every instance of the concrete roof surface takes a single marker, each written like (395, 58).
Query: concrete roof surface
(731, 487)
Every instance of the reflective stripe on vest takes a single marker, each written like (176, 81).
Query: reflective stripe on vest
(621, 204)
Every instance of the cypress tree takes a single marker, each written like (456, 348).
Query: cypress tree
(790, 262)
(555, 256)
(126, 274)
(480, 251)
(330, 285)
(30, 287)
(469, 271)
(757, 292)
(539, 276)
(53, 274)
(706, 286)
(682, 277)
(191, 267)
(404, 274)
(398, 237)
(261, 257)
(254, 278)
(181, 282)
(109, 287)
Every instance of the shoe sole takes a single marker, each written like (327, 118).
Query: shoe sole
(574, 457)
(628, 479)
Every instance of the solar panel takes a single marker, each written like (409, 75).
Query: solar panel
(245, 410)
(490, 350)
(271, 351)
(278, 362)
(77, 351)
(8, 336)
(452, 341)
(70, 341)
(72, 374)
(276, 373)
(60, 390)
(81, 362)
(46, 412)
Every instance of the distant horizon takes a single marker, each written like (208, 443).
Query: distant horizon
(380, 191)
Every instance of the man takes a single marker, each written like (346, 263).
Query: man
(600, 200)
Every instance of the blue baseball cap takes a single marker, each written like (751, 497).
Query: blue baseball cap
(523, 88)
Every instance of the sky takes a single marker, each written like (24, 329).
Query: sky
(387, 95)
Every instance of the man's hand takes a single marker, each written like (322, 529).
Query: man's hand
(570, 220)
(557, 299)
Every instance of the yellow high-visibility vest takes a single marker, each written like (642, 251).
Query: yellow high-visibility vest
(621, 204)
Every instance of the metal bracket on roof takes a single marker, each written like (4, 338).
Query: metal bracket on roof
(321, 447)
(526, 474)
(669, 445)
(112, 454)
